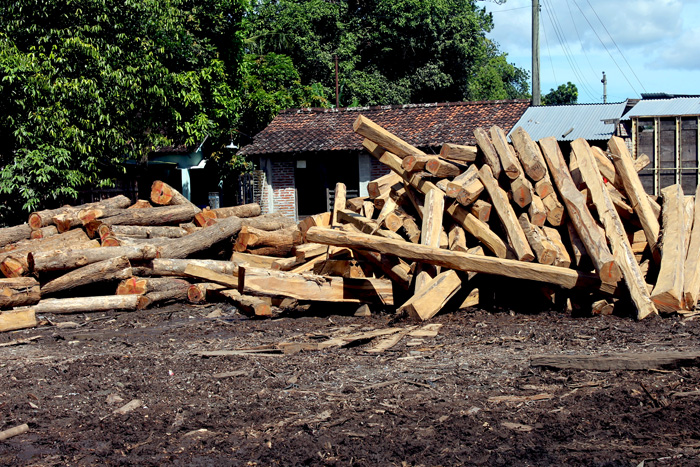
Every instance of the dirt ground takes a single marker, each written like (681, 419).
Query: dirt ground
(466, 396)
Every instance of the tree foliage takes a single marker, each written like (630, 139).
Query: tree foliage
(87, 84)
(389, 51)
(564, 94)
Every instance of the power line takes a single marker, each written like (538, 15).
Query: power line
(606, 48)
(549, 54)
(618, 49)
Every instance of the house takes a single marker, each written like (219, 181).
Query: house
(596, 123)
(303, 153)
(665, 128)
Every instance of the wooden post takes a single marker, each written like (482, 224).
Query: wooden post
(338, 203)
(433, 296)
(668, 291)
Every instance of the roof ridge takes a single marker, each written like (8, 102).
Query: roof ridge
(403, 106)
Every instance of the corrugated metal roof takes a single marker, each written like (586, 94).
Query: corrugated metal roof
(570, 122)
(665, 107)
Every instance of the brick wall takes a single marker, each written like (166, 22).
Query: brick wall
(377, 169)
(280, 187)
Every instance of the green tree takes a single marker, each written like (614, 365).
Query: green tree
(87, 84)
(564, 94)
(389, 51)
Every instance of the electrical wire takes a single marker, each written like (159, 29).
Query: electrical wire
(618, 49)
(573, 22)
(606, 48)
(549, 54)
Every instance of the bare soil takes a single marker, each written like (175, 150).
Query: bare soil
(426, 401)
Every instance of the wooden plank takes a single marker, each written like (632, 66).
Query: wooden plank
(614, 229)
(582, 219)
(619, 361)
(668, 291)
(499, 199)
(567, 278)
(316, 288)
(691, 287)
(432, 297)
(635, 193)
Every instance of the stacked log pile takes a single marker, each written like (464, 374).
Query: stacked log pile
(527, 221)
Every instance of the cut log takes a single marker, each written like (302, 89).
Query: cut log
(394, 268)
(563, 259)
(481, 210)
(478, 229)
(529, 154)
(209, 216)
(339, 203)
(255, 260)
(20, 318)
(197, 293)
(567, 278)
(247, 304)
(140, 204)
(365, 127)
(619, 361)
(521, 190)
(222, 230)
(249, 237)
(176, 267)
(586, 226)
(537, 211)
(432, 227)
(581, 258)
(635, 193)
(44, 232)
(355, 204)
(316, 288)
(499, 199)
(18, 291)
(415, 162)
(466, 187)
(554, 210)
(614, 229)
(691, 287)
(544, 187)
(668, 291)
(59, 260)
(433, 296)
(488, 152)
(367, 209)
(318, 220)
(543, 248)
(641, 162)
(16, 265)
(348, 268)
(152, 298)
(383, 184)
(140, 286)
(41, 219)
(458, 152)
(442, 169)
(508, 158)
(107, 270)
(163, 194)
(87, 304)
(140, 231)
(161, 215)
(14, 234)
(457, 238)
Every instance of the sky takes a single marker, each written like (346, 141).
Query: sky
(643, 46)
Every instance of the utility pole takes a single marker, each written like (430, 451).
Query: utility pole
(337, 94)
(605, 88)
(536, 98)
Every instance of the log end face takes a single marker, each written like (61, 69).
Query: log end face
(161, 193)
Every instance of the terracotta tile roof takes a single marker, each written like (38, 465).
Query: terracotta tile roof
(423, 125)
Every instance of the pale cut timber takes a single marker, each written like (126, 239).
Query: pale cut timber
(415, 163)
(458, 152)
(578, 249)
(140, 286)
(509, 160)
(478, 229)
(19, 291)
(286, 264)
(339, 202)
(641, 162)
(55, 241)
(339, 267)
(691, 287)
(164, 194)
(212, 276)
(317, 220)
(442, 169)
(365, 127)
(689, 205)
(249, 259)
(544, 187)
(499, 199)
(433, 296)
(367, 209)
(614, 229)
(316, 288)
(635, 193)
(488, 151)
(481, 209)
(668, 291)
(20, 318)
(554, 210)
(522, 191)
(197, 293)
(454, 186)
(394, 268)
(376, 187)
(537, 211)
(210, 216)
(457, 238)
(582, 219)
(58, 260)
(176, 267)
(355, 204)
(530, 156)
(87, 304)
(109, 269)
(251, 237)
(177, 294)
(430, 231)
(543, 248)
(567, 278)
(563, 258)
(306, 251)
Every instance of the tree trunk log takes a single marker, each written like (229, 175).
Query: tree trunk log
(210, 216)
(110, 269)
(19, 264)
(59, 260)
(176, 267)
(19, 291)
(161, 215)
(41, 219)
(246, 304)
(140, 231)
(87, 304)
(14, 234)
(140, 286)
(198, 293)
(164, 194)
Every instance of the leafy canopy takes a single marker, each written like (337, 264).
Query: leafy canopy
(389, 51)
(564, 94)
(87, 84)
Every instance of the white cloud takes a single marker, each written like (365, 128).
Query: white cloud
(681, 54)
